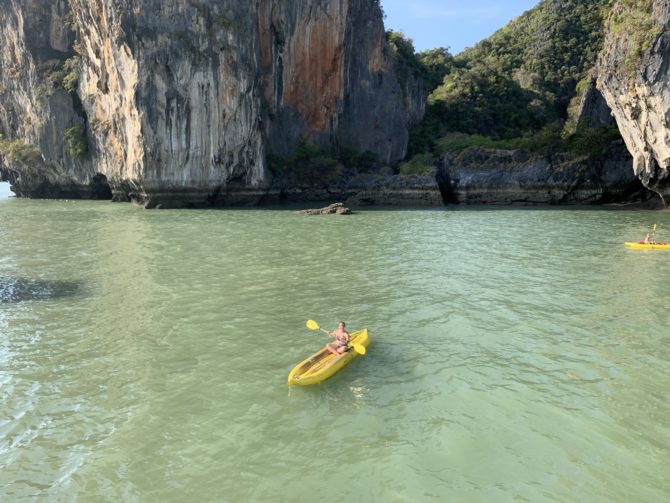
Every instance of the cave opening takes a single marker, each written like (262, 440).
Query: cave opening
(100, 188)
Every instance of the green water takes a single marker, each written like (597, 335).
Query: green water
(517, 355)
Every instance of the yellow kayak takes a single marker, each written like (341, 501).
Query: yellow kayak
(647, 246)
(324, 364)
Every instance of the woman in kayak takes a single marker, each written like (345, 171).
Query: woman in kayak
(341, 344)
(648, 240)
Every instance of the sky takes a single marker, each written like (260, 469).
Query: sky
(456, 24)
(4, 190)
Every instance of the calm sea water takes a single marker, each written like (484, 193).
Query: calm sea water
(517, 355)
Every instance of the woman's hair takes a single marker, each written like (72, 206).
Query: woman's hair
(343, 324)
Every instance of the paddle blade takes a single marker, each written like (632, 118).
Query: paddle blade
(359, 348)
(312, 325)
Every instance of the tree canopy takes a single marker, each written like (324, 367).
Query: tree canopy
(518, 81)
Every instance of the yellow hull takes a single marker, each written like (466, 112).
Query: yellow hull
(324, 364)
(642, 246)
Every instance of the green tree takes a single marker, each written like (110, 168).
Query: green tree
(518, 83)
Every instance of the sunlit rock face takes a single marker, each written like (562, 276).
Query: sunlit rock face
(37, 40)
(634, 77)
(178, 103)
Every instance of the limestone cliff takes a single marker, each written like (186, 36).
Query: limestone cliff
(327, 76)
(37, 112)
(593, 109)
(178, 102)
(171, 92)
(634, 77)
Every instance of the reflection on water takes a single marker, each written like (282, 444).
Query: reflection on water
(22, 289)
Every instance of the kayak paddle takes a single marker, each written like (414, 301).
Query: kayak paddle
(359, 348)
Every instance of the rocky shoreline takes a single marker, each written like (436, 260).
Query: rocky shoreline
(495, 177)
(471, 177)
(479, 176)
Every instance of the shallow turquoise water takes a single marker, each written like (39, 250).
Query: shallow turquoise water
(518, 355)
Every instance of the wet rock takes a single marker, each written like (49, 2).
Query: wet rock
(333, 209)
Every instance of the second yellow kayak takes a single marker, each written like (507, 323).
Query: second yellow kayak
(647, 246)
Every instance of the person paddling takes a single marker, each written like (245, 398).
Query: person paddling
(342, 338)
(650, 239)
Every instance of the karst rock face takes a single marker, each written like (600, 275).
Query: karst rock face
(179, 102)
(634, 77)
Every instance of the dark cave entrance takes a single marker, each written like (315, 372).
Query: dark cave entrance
(100, 188)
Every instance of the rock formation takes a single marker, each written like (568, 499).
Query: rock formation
(485, 176)
(593, 109)
(181, 102)
(178, 102)
(634, 77)
(37, 112)
(333, 209)
(369, 189)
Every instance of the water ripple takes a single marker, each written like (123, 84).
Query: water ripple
(516, 354)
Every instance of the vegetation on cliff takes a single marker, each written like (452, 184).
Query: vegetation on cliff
(523, 77)
(549, 140)
(518, 88)
(633, 21)
(430, 66)
(77, 143)
(17, 151)
(66, 76)
(311, 165)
